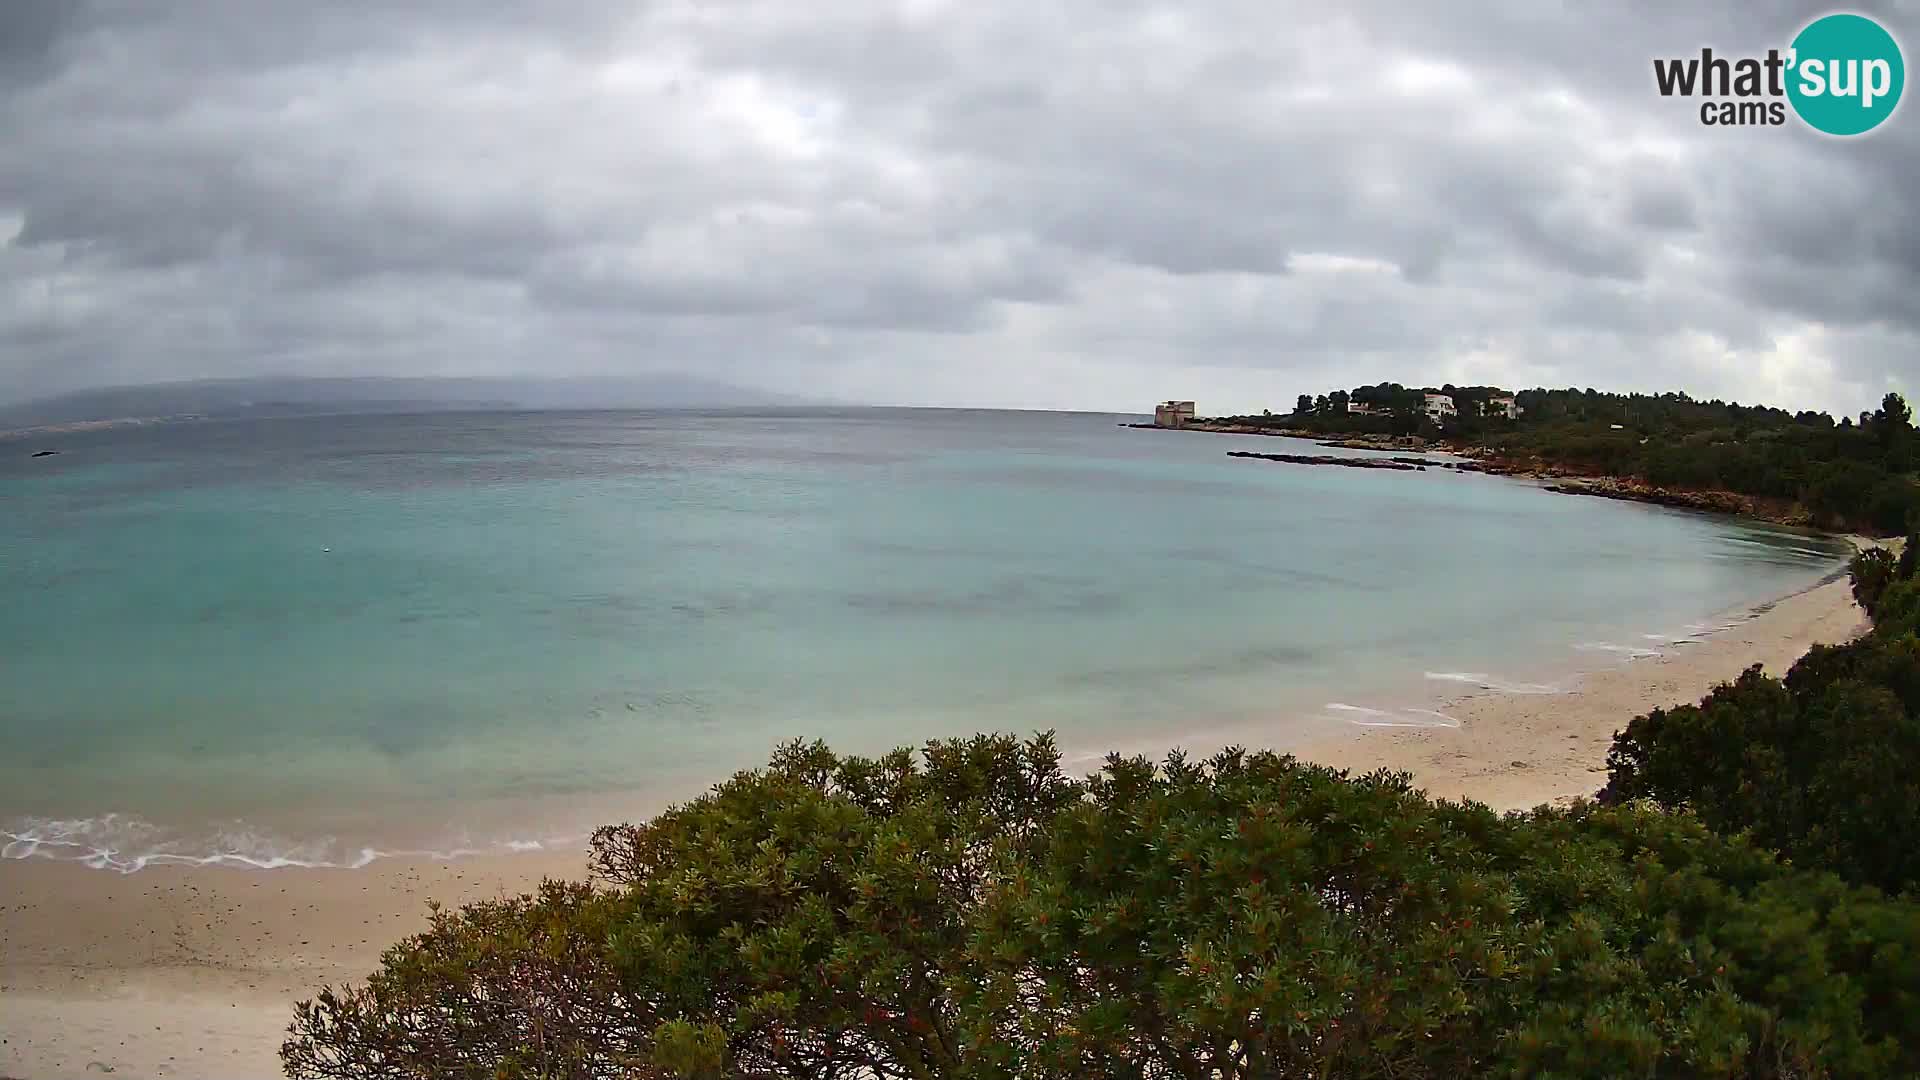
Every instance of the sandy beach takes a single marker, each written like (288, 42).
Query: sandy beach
(1516, 751)
(191, 972)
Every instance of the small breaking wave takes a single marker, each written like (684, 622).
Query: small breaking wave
(1631, 652)
(1498, 685)
(1661, 640)
(1363, 716)
(124, 844)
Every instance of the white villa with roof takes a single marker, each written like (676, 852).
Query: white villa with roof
(1501, 405)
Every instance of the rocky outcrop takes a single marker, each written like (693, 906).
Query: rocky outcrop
(1377, 442)
(1607, 487)
(1313, 459)
(1456, 466)
(1397, 464)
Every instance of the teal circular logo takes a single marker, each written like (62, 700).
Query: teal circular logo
(1845, 74)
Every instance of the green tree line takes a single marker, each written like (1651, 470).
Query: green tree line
(1854, 473)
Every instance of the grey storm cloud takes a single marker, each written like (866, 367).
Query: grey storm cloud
(1078, 204)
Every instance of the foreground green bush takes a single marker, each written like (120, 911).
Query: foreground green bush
(1872, 571)
(970, 911)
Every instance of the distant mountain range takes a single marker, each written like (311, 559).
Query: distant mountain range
(277, 396)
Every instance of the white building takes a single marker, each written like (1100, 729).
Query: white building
(1502, 405)
(1173, 414)
(1440, 406)
(1364, 409)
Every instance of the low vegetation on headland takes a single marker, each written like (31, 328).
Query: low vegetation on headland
(1740, 903)
(1853, 474)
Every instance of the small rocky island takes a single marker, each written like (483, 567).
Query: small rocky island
(1398, 464)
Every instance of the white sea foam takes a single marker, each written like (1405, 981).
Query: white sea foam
(124, 843)
(1670, 639)
(1698, 630)
(1693, 632)
(1341, 706)
(1494, 683)
(1631, 652)
(1404, 718)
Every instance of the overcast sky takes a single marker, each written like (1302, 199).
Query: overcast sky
(1032, 203)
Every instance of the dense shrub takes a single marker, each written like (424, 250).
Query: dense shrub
(972, 912)
(509, 988)
(1894, 504)
(1872, 571)
(1821, 769)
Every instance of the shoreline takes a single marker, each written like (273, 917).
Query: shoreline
(193, 970)
(1517, 751)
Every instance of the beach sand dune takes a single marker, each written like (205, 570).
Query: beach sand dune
(191, 971)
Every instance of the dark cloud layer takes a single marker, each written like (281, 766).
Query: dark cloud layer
(1077, 204)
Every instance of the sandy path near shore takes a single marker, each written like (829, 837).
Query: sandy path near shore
(191, 971)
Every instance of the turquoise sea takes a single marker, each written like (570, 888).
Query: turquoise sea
(316, 640)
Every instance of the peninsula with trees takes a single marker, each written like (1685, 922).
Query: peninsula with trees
(1853, 473)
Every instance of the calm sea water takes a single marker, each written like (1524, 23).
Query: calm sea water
(304, 639)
